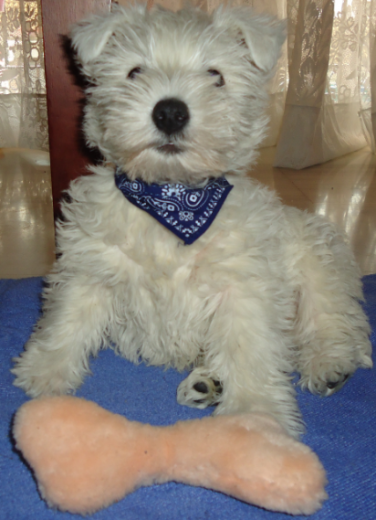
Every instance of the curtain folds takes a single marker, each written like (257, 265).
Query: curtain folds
(23, 105)
(329, 103)
(323, 96)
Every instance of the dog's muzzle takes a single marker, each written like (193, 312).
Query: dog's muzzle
(170, 115)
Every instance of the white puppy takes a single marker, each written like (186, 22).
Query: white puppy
(177, 101)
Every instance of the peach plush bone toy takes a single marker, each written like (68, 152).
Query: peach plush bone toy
(86, 458)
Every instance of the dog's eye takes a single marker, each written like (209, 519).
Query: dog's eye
(133, 73)
(220, 81)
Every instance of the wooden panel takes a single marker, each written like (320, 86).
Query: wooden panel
(69, 156)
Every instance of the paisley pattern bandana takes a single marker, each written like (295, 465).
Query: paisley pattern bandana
(187, 212)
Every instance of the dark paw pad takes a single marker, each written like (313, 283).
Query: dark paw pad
(201, 387)
(218, 387)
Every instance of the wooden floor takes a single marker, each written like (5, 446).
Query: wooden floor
(26, 217)
(344, 190)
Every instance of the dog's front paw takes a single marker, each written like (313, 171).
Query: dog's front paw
(43, 375)
(199, 390)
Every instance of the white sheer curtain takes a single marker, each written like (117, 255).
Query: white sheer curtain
(328, 110)
(23, 106)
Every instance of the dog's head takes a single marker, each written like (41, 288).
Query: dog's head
(177, 96)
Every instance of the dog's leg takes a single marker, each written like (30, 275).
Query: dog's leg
(331, 327)
(71, 328)
(250, 359)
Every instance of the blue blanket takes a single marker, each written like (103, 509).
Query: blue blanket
(341, 429)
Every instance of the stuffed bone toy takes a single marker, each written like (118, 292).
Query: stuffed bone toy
(86, 458)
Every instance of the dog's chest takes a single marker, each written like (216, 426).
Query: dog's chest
(161, 314)
(163, 294)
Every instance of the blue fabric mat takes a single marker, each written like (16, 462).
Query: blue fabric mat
(341, 429)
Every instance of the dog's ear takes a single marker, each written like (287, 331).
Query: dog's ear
(262, 33)
(89, 37)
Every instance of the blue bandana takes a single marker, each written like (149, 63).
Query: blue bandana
(187, 212)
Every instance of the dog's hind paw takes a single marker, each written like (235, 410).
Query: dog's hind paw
(327, 384)
(199, 390)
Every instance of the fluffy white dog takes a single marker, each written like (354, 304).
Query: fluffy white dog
(177, 101)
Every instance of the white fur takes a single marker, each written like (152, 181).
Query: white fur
(266, 291)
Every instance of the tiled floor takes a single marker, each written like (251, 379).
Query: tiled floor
(344, 190)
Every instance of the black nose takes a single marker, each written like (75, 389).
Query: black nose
(170, 115)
